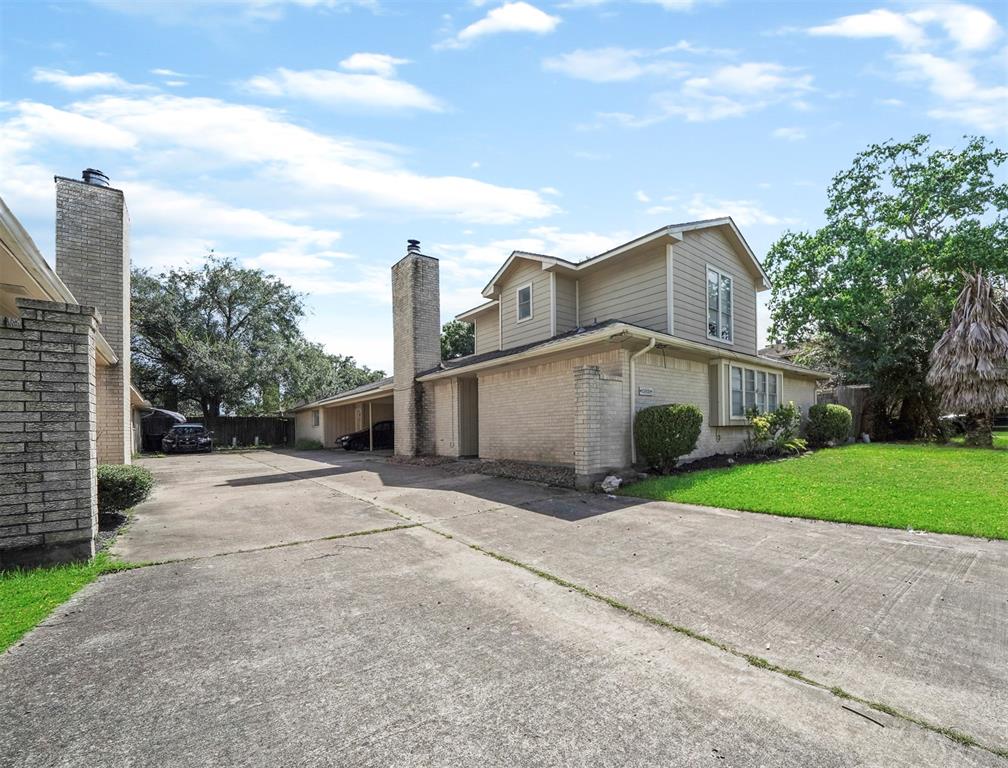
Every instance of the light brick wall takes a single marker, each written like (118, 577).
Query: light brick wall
(48, 484)
(601, 434)
(416, 331)
(92, 258)
(527, 414)
(802, 392)
(677, 380)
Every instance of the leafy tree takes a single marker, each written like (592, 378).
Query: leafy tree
(212, 333)
(870, 292)
(310, 373)
(969, 364)
(458, 339)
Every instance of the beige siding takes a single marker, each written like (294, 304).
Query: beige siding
(303, 429)
(675, 380)
(527, 414)
(538, 326)
(689, 278)
(629, 288)
(566, 304)
(802, 392)
(445, 418)
(487, 330)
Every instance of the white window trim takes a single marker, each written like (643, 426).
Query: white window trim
(669, 288)
(769, 373)
(553, 306)
(518, 290)
(731, 320)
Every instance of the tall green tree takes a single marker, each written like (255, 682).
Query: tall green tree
(458, 339)
(211, 334)
(870, 292)
(310, 373)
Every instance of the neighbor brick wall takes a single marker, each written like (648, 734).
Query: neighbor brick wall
(92, 258)
(48, 502)
(416, 331)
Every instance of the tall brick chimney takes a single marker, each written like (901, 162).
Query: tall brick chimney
(92, 258)
(416, 333)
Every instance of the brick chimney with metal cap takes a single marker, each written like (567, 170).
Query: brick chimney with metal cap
(416, 332)
(92, 259)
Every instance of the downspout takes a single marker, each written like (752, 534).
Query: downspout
(633, 396)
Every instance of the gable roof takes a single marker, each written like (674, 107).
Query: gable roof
(671, 231)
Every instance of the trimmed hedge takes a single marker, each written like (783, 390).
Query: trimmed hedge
(829, 422)
(666, 432)
(122, 486)
(305, 444)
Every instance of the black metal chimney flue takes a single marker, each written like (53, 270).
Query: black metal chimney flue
(412, 246)
(95, 177)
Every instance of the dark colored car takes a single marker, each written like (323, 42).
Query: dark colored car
(384, 432)
(187, 438)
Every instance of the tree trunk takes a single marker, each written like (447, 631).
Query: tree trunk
(980, 431)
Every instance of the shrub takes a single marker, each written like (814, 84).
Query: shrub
(666, 432)
(829, 422)
(775, 433)
(122, 486)
(305, 444)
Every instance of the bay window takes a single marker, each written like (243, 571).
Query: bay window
(751, 389)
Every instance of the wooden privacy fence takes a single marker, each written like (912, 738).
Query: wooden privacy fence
(271, 430)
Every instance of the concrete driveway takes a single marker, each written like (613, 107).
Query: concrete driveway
(276, 636)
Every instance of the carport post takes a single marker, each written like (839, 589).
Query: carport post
(370, 427)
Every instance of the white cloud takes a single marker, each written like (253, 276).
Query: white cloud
(965, 99)
(968, 27)
(209, 136)
(642, 196)
(90, 81)
(610, 65)
(375, 63)
(789, 134)
(745, 213)
(164, 72)
(876, 23)
(510, 17)
(218, 12)
(340, 89)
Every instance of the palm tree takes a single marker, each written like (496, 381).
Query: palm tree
(969, 364)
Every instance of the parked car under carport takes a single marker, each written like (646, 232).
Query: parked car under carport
(383, 434)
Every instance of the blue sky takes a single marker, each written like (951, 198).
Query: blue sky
(313, 137)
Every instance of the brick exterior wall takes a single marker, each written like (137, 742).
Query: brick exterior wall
(48, 485)
(416, 330)
(601, 435)
(677, 380)
(92, 258)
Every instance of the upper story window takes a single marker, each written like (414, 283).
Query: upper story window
(753, 389)
(525, 302)
(719, 305)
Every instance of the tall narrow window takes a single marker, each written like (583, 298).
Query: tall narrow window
(315, 418)
(737, 409)
(524, 302)
(719, 306)
(773, 399)
(761, 391)
(750, 389)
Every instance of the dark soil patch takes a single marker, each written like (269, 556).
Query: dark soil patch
(109, 525)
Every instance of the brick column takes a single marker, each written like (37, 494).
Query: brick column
(588, 402)
(416, 335)
(92, 258)
(48, 483)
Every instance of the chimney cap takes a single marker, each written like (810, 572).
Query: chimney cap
(95, 177)
(412, 246)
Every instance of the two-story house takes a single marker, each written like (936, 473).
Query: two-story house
(567, 352)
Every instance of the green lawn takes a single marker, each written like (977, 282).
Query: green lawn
(27, 597)
(939, 488)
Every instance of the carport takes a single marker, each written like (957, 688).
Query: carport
(353, 411)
